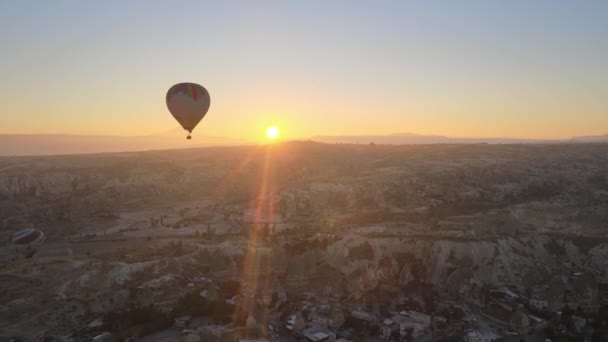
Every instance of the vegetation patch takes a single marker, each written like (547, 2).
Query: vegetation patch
(362, 251)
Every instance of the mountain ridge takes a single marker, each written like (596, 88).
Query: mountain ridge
(407, 138)
(58, 144)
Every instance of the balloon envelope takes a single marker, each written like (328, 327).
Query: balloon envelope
(188, 103)
(27, 241)
(28, 236)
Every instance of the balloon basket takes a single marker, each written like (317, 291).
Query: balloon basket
(189, 137)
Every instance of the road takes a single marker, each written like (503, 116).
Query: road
(87, 246)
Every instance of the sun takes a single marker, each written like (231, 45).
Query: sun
(272, 132)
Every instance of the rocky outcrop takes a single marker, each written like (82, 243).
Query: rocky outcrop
(520, 322)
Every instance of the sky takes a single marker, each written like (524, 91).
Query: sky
(521, 69)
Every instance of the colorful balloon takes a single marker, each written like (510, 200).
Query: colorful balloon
(188, 103)
(27, 241)
(27, 236)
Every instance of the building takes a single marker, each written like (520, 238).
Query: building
(105, 337)
(391, 327)
(578, 323)
(320, 318)
(418, 317)
(538, 303)
(537, 323)
(590, 308)
(413, 323)
(296, 323)
(265, 298)
(321, 315)
(509, 296)
(364, 316)
(411, 328)
(439, 322)
(182, 322)
(191, 337)
(603, 292)
(251, 322)
(478, 336)
(337, 318)
(520, 322)
(210, 294)
(319, 334)
(387, 328)
(281, 295)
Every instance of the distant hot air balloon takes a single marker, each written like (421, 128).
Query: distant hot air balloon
(188, 103)
(27, 241)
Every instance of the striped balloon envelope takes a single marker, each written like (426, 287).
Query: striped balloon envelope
(28, 236)
(27, 241)
(188, 103)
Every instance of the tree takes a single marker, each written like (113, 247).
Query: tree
(275, 298)
(240, 318)
(567, 311)
(178, 247)
(299, 323)
(451, 257)
(409, 334)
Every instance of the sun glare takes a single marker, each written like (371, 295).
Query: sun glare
(272, 132)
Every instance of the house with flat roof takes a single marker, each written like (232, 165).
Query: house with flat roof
(182, 322)
(478, 336)
(363, 315)
(319, 334)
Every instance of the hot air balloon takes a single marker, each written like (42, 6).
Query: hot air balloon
(188, 103)
(27, 241)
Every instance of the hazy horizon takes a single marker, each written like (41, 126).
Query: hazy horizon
(179, 132)
(70, 144)
(518, 70)
(303, 171)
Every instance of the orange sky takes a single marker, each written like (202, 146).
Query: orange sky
(479, 69)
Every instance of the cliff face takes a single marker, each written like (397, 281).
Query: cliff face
(488, 208)
(456, 264)
(345, 267)
(31, 184)
(500, 188)
(353, 220)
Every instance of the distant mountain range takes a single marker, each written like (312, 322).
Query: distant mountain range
(591, 138)
(49, 144)
(414, 139)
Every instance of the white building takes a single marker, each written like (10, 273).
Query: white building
(319, 334)
(439, 322)
(387, 328)
(478, 336)
(391, 325)
(183, 322)
(105, 337)
(416, 329)
(417, 317)
(364, 316)
(210, 294)
(416, 322)
(538, 303)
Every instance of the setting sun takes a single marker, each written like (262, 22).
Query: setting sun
(272, 132)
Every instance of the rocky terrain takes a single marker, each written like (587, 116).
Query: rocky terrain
(341, 220)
